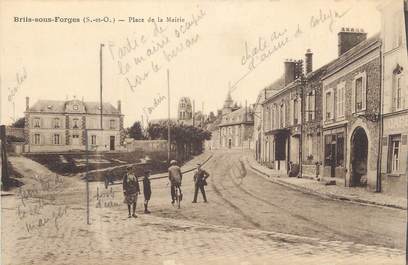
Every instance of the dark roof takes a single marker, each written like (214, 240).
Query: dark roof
(59, 106)
(353, 54)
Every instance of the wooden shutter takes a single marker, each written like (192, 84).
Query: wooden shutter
(299, 109)
(353, 96)
(292, 112)
(307, 107)
(324, 105)
(364, 92)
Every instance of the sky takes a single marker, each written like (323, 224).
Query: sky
(220, 46)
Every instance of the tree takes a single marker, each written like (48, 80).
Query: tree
(20, 123)
(135, 131)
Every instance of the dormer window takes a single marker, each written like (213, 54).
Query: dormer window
(75, 107)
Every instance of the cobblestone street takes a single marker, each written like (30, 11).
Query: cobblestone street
(248, 220)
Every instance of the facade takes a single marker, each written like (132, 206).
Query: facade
(258, 134)
(312, 119)
(351, 108)
(236, 127)
(282, 119)
(57, 126)
(185, 109)
(395, 98)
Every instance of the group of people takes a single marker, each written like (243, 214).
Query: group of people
(131, 188)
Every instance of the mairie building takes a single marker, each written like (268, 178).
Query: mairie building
(61, 126)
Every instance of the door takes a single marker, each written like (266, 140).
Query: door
(229, 143)
(112, 143)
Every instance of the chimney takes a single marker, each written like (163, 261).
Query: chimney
(309, 61)
(348, 38)
(119, 106)
(289, 71)
(27, 103)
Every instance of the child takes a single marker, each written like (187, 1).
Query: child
(147, 191)
(131, 190)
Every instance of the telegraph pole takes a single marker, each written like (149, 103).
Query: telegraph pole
(100, 79)
(168, 120)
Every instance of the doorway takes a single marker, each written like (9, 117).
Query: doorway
(112, 143)
(75, 139)
(229, 143)
(359, 153)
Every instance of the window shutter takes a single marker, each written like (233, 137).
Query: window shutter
(337, 102)
(299, 111)
(364, 92)
(324, 106)
(291, 112)
(353, 96)
(307, 107)
(313, 105)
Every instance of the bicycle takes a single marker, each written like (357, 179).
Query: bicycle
(177, 194)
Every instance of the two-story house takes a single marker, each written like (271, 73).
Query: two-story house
(282, 119)
(394, 146)
(236, 127)
(57, 126)
(351, 105)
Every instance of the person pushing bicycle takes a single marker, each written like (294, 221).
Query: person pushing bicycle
(175, 177)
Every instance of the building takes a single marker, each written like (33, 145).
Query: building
(185, 109)
(57, 126)
(351, 107)
(236, 127)
(282, 119)
(394, 145)
(259, 132)
(312, 117)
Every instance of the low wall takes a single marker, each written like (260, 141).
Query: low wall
(17, 132)
(146, 145)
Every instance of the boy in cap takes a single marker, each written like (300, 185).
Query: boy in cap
(147, 191)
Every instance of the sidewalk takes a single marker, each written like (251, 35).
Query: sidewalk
(358, 195)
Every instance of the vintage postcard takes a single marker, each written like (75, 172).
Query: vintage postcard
(204, 132)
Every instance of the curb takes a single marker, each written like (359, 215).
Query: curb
(322, 195)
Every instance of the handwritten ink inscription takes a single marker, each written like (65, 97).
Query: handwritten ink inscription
(266, 46)
(21, 76)
(40, 205)
(143, 55)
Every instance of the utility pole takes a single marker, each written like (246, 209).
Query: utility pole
(100, 79)
(168, 121)
(87, 177)
(193, 112)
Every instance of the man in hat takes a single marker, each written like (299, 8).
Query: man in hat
(200, 180)
(175, 178)
(131, 189)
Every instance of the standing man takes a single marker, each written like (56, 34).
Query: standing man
(200, 180)
(131, 189)
(175, 178)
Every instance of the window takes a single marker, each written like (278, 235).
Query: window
(394, 154)
(75, 107)
(112, 123)
(282, 116)
(273, 117)
(310, 106)
(56, 139)
(93, 139)
(397, 91)
(340, 98)
(36, 122)
(334, 149)
(37, 139)
(295, 112)
(327, 150)
(75, 123)
(56, 123)
(359, 93)
(329, 105)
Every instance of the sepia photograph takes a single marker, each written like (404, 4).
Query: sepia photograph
(204, 132)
